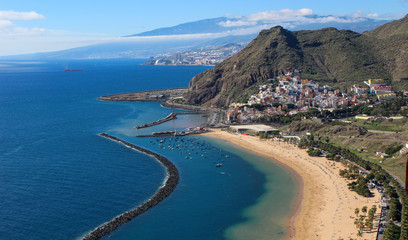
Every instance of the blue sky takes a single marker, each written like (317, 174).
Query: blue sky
(45, 25)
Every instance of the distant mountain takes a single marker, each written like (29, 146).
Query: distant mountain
(201, 26)
(337, 57)
(116, 49)
(198, 35)
(219, 25)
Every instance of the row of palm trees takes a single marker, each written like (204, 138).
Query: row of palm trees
(364, 222)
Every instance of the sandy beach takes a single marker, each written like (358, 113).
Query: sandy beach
(325, 208)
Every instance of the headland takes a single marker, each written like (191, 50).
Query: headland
(145, 96)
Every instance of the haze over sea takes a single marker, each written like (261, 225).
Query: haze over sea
(60, 180)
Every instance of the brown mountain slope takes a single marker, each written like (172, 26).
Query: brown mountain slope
(328, 55)
(393, 46)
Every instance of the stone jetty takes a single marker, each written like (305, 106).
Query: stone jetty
(175, 133)
(169, 117)
(162, 193)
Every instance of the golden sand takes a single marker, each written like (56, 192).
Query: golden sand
(326, 206)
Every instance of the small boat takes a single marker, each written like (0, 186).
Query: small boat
(218, 165)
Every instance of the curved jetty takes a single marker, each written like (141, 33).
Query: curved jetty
(162, 193)
(169, 117)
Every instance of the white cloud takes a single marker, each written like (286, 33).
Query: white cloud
(290, 18)
(373, 15)
(43, 43)
(278, 17)
(284, 14)
(5, 24)
(238, 23)
(9, 29)
(13, 15)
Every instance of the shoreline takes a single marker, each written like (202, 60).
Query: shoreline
(324, 209)
(297, 202)
(170, 183)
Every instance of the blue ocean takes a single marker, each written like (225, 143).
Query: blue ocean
(60, 180)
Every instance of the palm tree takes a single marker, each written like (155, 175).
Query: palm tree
(364, 210)
(357, 211)
(361, 225)
(374, 207)
(369, 225)
(359, 233)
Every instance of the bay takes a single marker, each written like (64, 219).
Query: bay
(60, 180)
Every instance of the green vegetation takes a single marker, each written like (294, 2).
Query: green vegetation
(392, 232)
(314, 152)
(392, 187)
(390, 150)
(364, 221)
(395, 209)
(351, 173)
(360, 187)
(381, 124)
(353, 135)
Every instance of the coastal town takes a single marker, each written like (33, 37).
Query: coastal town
(206, 57)
(289, 94)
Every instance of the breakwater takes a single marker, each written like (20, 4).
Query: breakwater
(169, 117)
(171, 182)
(174, 133)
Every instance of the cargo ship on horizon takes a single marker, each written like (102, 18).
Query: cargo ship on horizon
(72, 69)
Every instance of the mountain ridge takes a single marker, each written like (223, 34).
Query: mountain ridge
(337, 57)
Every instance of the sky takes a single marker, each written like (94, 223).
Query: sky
(28, 26)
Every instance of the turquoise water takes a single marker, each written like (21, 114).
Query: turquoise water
(60, 180)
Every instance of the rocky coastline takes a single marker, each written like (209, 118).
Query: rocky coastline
(170, 184)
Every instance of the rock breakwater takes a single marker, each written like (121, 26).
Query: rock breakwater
(162, 193)
(169, 117)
